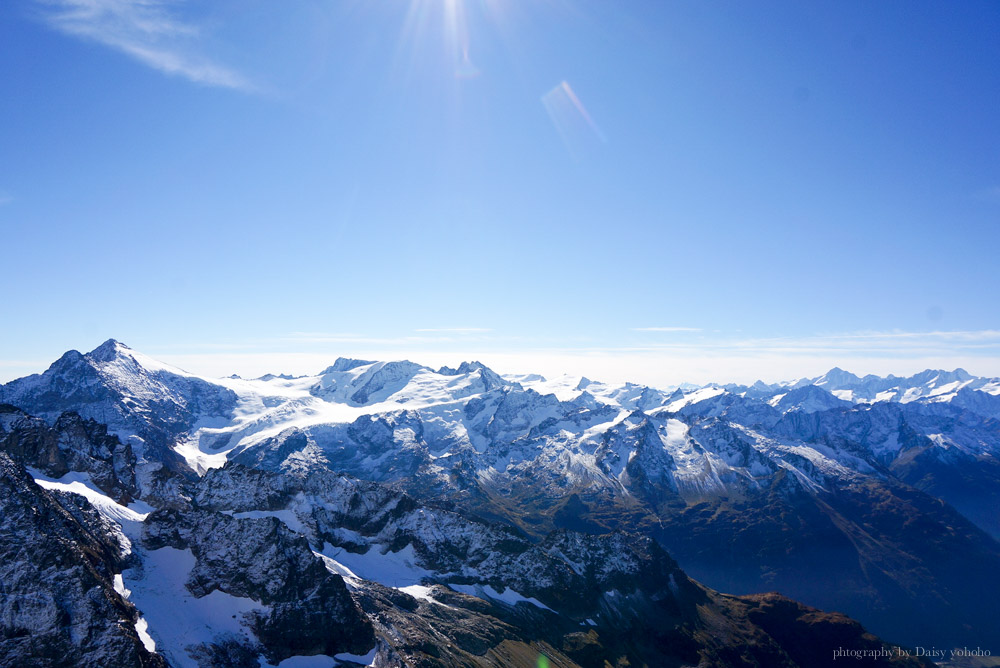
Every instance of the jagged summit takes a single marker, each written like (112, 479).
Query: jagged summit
(793, 467)
(250, 567)
(808, 399)
(469, 367)
(67, 359)
(271, 376)
(837, 378)
(108, 351)
(146, 403)
(939, 376)
(345, 364)
(463, 368)
(923, 385)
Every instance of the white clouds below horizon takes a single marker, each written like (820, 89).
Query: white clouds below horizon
(720, 360)
(655, 369)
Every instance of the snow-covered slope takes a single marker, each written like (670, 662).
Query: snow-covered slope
(434, 421)
(145, 403)
(59, 603)
(251, 568)
(687, 466)
(929, 385)
(468, 435)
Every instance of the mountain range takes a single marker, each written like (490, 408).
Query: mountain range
(388, 513)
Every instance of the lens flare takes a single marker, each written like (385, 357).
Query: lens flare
(466, 69)
(577, 129)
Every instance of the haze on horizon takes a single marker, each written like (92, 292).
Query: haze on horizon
(656, 368)
(657, 192)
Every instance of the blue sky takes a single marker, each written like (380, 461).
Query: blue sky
(656, 191)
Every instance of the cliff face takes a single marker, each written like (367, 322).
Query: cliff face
(70, 444)
(58, 559)
(248, 566)
(391, 512)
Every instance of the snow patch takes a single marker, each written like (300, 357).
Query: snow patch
(776, 399)
(80, 483)
(392, 569)
(127, 519)
(423, 593)
(335, 566)
(287, 517)
(364, 659)
(173, 618)
(695, 397)
(119, 586)
(142, 629)
(508, 596)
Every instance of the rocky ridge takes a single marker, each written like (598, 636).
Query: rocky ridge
(440, 589)
(750, 488)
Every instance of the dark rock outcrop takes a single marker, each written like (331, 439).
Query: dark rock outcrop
(72, 443)
(58, 606)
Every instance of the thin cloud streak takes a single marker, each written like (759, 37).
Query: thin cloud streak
(387, 342)
(894, 344)
(146, 31)
(660, 365)
(899, 343)
(422, 336)
(666, 329)
(662, 369)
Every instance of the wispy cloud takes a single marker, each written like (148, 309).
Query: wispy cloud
(889, 344)
(428, 336)
(897, 344)
(663, 364)
(660, 368)
(146, 30)
(352, 339)
(666, 329)
(5, 197)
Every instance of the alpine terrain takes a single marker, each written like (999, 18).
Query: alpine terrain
(390, 514)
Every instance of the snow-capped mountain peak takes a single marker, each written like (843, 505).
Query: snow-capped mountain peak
(107, 351)
(695, 467)
(837, 379)
(345, 364)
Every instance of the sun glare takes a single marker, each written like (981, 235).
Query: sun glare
(447, 23)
